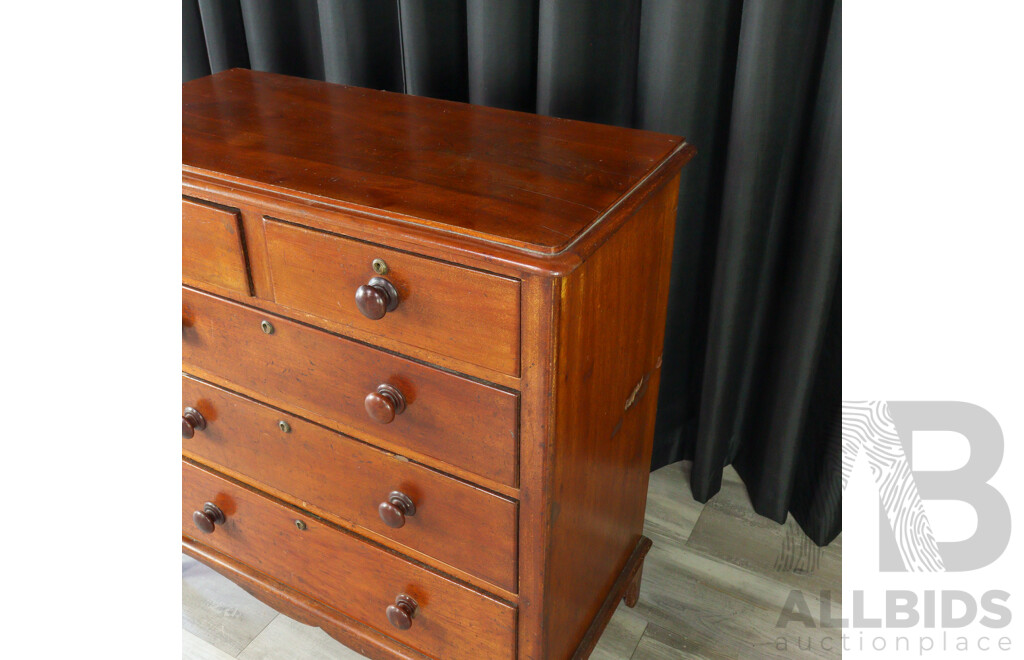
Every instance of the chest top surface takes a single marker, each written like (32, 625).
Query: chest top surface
(525, 182)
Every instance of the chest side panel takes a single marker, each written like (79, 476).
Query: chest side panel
(610, 332)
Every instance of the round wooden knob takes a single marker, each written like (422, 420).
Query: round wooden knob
(394, 509)
(384, 403)
(376, 298)
(191, 419)
(402, 612)
(208, 519)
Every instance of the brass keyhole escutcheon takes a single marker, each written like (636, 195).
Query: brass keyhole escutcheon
(284, 426)
(380, 267)
(266, 327)
(299, 525)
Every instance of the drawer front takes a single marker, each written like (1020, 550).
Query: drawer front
(312, 466)
(447, 417)
(457, 312)
(347, 572)
(213, 248)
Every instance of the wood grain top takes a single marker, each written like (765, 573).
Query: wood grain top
(530, 183)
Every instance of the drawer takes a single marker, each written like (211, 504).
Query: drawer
(213, 248)
(329, 379)
(458, 312)
(341, 477)
(345, 571)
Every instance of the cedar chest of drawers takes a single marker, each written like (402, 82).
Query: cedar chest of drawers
(421, 344)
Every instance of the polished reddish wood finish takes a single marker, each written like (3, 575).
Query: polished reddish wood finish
(348, 573)
(401, 613)
(625, 588)
(299, 606)
(395, 508)
(469, 170)
(447, 417)
(213, 248)
(460, 312)
(376, 298)
(604, 416)
(207, 518)
(191, 419)
(384, 403)
(346, 481)
(529, 258)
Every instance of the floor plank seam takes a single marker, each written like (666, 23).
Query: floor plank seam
(256, 636)
(632, 654)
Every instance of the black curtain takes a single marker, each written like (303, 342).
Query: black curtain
(752, 352)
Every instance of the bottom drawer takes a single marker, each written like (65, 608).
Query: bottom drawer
(350, 574)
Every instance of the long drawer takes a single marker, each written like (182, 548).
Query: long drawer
(352, 481)
(450, 310)
(367, 393)
(344, 571)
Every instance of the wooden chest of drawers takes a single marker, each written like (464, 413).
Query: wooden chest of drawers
(421, 344)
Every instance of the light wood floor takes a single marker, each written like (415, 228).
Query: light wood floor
(714, 585)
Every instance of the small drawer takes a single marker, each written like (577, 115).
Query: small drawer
(449, 310)
(396, 403)
(213, 248)
(312, 466)
(345, 571)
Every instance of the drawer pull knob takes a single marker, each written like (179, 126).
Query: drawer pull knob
(191, 419)
(376, 298)
(384, 403)
(208, 519)
(401, 613)
(394, 509)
